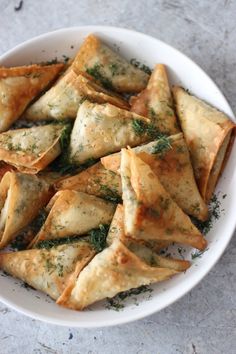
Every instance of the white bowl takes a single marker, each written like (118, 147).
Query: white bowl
(181, 71)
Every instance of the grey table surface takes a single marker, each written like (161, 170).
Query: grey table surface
(203, 321)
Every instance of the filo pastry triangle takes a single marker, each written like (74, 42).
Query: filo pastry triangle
(113, 270)
(63, 99)
(30, 150)
(120, 267)
(19, 86)
(21, 197)
(48, 270)
(149, 211)
(209, 135)
(100, 129)
(108, 67)
(156, 103)
(95, 180)
(74, 213)
(139, 247)
(169, 159)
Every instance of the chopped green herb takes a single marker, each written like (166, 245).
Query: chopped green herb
(198, 254)
(65, 58)
(60, 270)
(47, 244)
(140, 66)
(38, 222)
(65, 137)
(98, 237)
(116, 302)
(140, 128)
(214, 214)
(162, 145)
(110, 194)
(51, 62)
(97, 72)
(114, 68)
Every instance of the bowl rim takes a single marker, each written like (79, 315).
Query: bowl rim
(145, 312)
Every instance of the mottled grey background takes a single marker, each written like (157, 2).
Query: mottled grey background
(204, 321)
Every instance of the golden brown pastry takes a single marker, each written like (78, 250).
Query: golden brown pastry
(100, 129)
(155, 102)
(74, 213)
(111, 271)
(62, 101)
(209, 135)
(144, 250)
(19, 86)
(21, 198)
(169, 160)
(48, 270)
(95, 180)
(108, 67)
(30, 150)
(149, 211)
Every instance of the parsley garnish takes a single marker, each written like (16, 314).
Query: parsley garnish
(98, 237)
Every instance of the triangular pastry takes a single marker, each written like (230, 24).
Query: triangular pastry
(141, 248)
(111, 271)
(100, 129)
(74, 213)
(19, 86)
(62, 101)
(149, 211)
(155, 102)
(30, 150)
(209, 135)
(108, 67)
(169, 160)
(95, 180)
(48, 270)
(21, 198)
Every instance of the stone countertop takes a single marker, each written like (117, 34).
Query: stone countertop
(204, 321)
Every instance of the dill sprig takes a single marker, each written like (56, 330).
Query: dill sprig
(140, 66)
(162, 145)
(97, 73)
(97, 237)
(47, 244)
(141, 128)
(116, 304)
(110, 194)
(214, 214)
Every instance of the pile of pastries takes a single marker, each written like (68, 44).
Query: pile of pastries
(154, 156)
